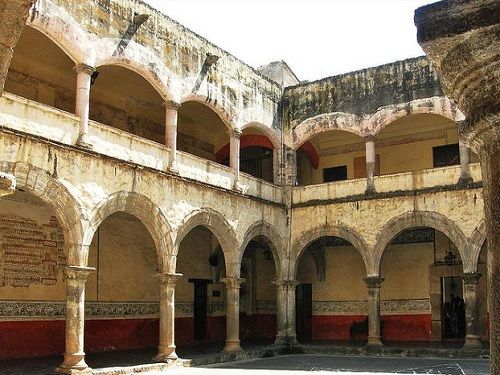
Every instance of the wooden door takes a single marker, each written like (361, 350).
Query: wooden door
(304, 312)
(200, 310)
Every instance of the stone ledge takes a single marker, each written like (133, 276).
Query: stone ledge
(390, 194)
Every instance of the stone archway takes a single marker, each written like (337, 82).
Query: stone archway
(418, 219)
(341, 231)
(221, 229)
(423, 291)
(69, 211)
(147, 212)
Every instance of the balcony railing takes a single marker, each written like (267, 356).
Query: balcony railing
(407, 181)
(31, 117)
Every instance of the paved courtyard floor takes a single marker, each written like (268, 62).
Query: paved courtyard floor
(357, 361)
(290, 364)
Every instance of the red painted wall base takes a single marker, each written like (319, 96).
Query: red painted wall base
(410, 327)
(257, 326)
(31, 339)
(334, 327)
(406, 327)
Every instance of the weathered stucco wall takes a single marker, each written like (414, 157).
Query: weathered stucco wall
(362, 92)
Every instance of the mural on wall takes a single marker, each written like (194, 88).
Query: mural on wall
(30, 253)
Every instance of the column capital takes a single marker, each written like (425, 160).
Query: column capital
(374, 281)
(235, 133)
(77, 272)
(369, 138)
(7, 184)
(471, 278)
(233, 282)
(84, 68)
(172, 104)
(287, 283)
(167, 278)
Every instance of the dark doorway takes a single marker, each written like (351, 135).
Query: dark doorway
(304, 312)
(200, 308)
(453, 307)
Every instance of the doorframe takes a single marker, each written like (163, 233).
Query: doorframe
(437, 272)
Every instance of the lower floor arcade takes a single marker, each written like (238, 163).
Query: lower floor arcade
(122, 301)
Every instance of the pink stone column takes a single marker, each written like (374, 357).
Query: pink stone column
(166, 348)
(83, 79)
(234, 154)
(171, 114)
(465, 177)
(232, 313)
(471, 282)
(374, 336)
(74, 356)
(370, 164)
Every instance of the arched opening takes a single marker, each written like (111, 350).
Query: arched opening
(417, 142)
(257, 293)
(42, 72)
(256, 154)
(200, 131)
(122, 294)
(330, 296)
(123, 99)
(423, 283)
(32, 286)
(340, 154)
(200, 316)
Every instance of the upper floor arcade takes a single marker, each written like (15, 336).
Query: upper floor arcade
(185, 109)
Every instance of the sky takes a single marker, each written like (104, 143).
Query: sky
(317, 38)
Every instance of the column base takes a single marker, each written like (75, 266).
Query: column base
(84, 142)
(281, 340)
(374, 341)
(238, 186)
(370, 190)
(74, 364)
(166, 354)
(464, 181)
(232, 346)
(173, 168)
(472, 342)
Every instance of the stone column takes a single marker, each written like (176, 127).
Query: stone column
(171, 112)
(465, 177)
(232, 313)
(234, 154)
(374, 283)
(83, 78)
(281, 313)
(7, 184)
(166, 348)
(461, 40)
(471, 282)
(370, 163)
(74, 356)
(291, 286)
